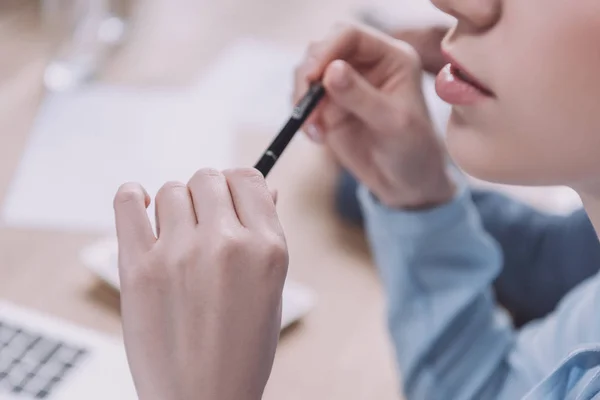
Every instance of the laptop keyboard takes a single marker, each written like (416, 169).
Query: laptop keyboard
(32, 366)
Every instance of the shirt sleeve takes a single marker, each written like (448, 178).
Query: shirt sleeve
(451, 341)
(437, 267)
(549, 253)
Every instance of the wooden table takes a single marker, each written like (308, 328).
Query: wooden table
(340, 351)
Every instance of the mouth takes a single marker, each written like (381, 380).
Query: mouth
(457, 86)
(467, 78)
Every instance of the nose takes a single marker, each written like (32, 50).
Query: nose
(478, 14)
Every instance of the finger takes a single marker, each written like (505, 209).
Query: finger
(350, 42)
(428, 44)
(354, 94)
(134, 231)
(174, 210)
(309, 64)
(332, 116)
(353, 150)
(314, 128)
(311, 127)
(430, 49)
(253, 202)
(315, 62)
(274, 195)
(412, 36)
(354, 44)
(211, 198)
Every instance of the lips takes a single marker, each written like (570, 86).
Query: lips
(457, 86)
(467, 78)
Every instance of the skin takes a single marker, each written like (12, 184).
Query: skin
(542, 127)
(427, 42)
(220, 254)
(374, 118)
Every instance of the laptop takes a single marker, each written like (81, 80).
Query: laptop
(42, 357)
(102, 259)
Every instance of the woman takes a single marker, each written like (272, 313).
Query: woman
(552, 253)
(524, 112)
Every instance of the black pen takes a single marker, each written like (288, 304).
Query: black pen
(301, 112)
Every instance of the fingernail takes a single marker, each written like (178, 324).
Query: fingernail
(314, 133)
(339, 76)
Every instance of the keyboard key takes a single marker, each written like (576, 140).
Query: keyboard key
(32, 365)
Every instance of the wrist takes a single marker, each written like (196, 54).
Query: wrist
(439, 191)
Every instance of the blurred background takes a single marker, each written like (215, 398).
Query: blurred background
(94, 93)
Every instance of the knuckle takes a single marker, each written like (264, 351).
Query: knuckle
(231, 248)
(345, 29)
(206, 173)
(129, 193)
(185, 259)
(266, 256)
(173, 185)
(277, 255)
(270, 246)
(335, 116)
(274, 258)
(169, 187)
(250, 174)
(412, 56)
(408, 54)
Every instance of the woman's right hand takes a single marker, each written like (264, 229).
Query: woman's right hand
(201, 300)
(374, 117)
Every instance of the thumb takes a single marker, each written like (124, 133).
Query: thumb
(353, 93)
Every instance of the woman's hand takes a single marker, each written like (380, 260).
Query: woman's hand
(427, 42)
(374, 117)
(201, 302)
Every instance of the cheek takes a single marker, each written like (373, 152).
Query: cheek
(544, 128)
(555, 116)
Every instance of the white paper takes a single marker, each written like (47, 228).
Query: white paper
(86, 143)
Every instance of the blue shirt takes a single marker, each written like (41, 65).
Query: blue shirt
(451, 340)
(553, 252)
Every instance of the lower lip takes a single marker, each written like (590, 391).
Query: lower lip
(454, 90)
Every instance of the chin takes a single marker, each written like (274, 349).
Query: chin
(477, 155)
(480, 168)
(508, 168)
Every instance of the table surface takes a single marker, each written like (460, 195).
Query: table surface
(340, 351)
